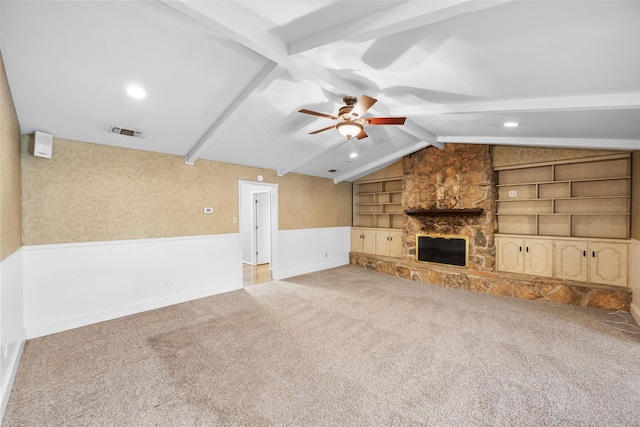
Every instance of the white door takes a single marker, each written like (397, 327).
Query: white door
(262, 221)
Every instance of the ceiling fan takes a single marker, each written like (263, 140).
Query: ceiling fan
(350, 122)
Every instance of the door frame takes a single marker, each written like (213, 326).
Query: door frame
(245, 197)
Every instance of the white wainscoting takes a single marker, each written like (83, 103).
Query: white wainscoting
(634, 280)
(311, 249)
(71, 285)
(11, 323)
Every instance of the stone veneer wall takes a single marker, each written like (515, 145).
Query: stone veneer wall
(457, 177)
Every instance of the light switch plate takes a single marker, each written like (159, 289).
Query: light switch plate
(208, 209)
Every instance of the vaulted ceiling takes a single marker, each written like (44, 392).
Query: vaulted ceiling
(225, 79)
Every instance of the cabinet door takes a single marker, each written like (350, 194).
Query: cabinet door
(571, 260)
(510, 254)
(538, 257)
(369, 241)
(382, 242)
(395, 243)
(608, 263)
(356, 240)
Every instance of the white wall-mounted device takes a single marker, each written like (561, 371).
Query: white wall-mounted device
(42, 145)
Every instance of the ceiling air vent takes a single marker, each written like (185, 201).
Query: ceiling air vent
(332, 170)
(127, 132)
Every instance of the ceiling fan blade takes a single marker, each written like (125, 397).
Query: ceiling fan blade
(386, 120)
(321, 130)
(315, 113)
(364, 103)
(362, 135)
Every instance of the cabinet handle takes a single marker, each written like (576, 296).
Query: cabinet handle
(527, 248)
(584, 253)
(520, 248)
(593, 254)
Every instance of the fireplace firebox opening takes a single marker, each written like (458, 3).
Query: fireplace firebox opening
(441, 249)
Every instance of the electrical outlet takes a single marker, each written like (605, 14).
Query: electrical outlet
(513, 193)
(208, 209)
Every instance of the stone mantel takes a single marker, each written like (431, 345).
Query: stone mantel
(444, 212)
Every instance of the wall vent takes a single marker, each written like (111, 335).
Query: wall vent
(127, 132)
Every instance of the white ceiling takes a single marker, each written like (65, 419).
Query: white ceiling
(224, 80)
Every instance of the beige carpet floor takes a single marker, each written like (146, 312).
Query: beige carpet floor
(343, 347)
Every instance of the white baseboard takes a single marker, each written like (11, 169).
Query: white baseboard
(35, 331)
(283, 274)
(13, 360)
(635, 312)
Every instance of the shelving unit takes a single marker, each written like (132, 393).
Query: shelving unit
(577, 198)
(378, 204)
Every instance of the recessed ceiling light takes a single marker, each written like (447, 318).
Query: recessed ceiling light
(353, 155)
(511, 124)
(136, 92)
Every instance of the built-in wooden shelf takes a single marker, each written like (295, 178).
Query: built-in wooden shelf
(585, 197)
(378, 203)
(444, 212)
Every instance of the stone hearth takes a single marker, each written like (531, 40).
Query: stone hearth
(502, 284)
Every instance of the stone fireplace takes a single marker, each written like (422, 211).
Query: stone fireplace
(451, 192)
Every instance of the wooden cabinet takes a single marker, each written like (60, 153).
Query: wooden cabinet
(584, 260)
(378, 204)
(571, 260)
(595, 262)
(385, 242)
(389, 243)
(577, 198)
(525, 255)
(363, 240)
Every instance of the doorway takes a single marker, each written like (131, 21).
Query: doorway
(258, 228)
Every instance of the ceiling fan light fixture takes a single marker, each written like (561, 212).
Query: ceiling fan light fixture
(349, 129)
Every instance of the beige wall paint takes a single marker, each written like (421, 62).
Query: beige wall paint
(392, 171)
(10, 177)
(91, 192)
(507, 155)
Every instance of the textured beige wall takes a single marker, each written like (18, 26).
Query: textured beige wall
(10, 181)
(507, 155)
(392, 171)
(635, 196)
(91, 192)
